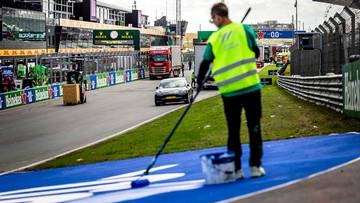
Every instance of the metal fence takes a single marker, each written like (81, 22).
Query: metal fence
(338, 39)
(322, 90)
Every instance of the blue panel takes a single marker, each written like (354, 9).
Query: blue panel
(55, 90)
(93, 82)
(112, 76)
(269, 34)
(178, 177)
(2, 102)
(30, 96)
(128, 75)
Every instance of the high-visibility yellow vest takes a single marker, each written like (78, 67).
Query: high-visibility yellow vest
(234, 65)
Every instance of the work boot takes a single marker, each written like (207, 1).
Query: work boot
(257, 171)
(239, 174)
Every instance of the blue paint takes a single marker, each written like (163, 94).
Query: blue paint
(30, 96)
(284, 161)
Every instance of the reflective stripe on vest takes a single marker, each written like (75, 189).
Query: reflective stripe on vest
(234, 66)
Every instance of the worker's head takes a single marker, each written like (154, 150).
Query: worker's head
(219, 14)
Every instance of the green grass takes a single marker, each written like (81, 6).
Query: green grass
(284, 116)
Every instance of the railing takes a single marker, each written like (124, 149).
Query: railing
(322, 90)
(95, 81)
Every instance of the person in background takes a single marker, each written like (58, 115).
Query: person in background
(183, 69)
(190, 64)
(193, 79)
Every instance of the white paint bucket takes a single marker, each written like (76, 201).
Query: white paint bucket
(218, 168)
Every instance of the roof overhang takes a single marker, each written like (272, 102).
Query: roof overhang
(349, 3)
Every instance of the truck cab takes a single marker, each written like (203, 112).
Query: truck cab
(164, 61)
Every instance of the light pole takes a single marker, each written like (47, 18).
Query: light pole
(296, 14)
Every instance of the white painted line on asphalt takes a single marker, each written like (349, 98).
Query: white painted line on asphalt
(98, 141)
(288, 183)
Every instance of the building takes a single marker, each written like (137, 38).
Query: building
(272, 25)
(51, 33)
(110, 14)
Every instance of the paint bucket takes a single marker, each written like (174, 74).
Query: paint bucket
(218, 167)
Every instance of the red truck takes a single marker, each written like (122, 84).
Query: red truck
(164, 62)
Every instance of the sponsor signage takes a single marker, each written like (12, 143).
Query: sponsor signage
(29, 96)
(13, 98)
(93, 82)
(2, 102)
(112, 76)
(134, 75)
(272, 72)
(55, 90)
(41, 93)
(274, 34)
(117, 37)
(101, 80)
(128, 75)
(351, 89)
(31, 36)
(119, 77)
(7, 71)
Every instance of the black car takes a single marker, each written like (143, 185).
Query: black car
(173, 90)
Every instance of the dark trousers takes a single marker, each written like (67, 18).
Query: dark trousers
(233, 106)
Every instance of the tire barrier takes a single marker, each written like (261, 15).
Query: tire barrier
(53, 91)
(321, 90)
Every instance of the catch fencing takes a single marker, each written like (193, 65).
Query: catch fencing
(338, 42)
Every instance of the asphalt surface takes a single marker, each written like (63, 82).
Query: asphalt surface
(39, 131)
(340, 185)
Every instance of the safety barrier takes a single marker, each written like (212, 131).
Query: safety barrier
(94, 81)
(322, 90)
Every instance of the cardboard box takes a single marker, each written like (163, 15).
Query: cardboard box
(71, 94)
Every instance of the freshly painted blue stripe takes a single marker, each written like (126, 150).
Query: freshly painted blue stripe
(182, 179)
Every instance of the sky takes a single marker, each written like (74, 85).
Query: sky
(197, 12)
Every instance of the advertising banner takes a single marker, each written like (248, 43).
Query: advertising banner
(119, 77)
(93, 82)
(142, 73)
(112, 76)
(7, 71)
(2, 102)
(128, 76)
(271, 34)
(134, 75)
(55, 90)
(117, 37)
(101, 80)
(13, 98)
(41, 93)
(61, 89)
(351, 89)
(29, 96)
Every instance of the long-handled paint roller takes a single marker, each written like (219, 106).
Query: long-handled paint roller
(145, 182)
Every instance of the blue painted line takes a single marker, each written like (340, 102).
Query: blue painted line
(180, 179)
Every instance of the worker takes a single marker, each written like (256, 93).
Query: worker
(183, 69)
(232, 50)
(193, 80)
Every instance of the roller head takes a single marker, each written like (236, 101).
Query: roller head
(140, 183)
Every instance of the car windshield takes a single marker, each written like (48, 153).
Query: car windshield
(158, 58)
(173, 83)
